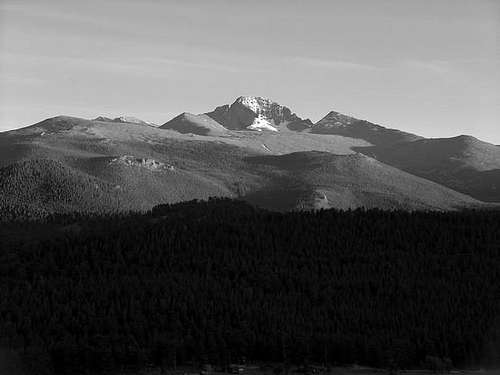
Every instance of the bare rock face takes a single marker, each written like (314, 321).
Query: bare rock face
(255, 113)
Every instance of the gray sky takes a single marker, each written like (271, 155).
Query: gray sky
(430, 66)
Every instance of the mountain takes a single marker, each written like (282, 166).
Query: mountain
(463, 163)
(223, 153)
(337, 123)
(136, 167)
(257, 113)
(195, 124)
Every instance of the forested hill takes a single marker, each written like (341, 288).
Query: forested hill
(211, 282)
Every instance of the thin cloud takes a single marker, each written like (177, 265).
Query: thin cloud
(76, 62)
(40, 11)
(160, 67)
(332, 64)
(20, 79)
(232, 68)
(433, 66)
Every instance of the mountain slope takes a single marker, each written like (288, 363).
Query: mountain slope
(462, 163)
(322, 180)
(195, 124)
(339, 124)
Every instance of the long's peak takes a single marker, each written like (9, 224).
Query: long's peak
(254, 113)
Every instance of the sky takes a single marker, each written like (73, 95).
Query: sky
(431, 67)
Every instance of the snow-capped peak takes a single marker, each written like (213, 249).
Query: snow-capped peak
(255, 103)
(254, 113)
(268, 114)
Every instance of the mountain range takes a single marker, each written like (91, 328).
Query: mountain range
(253, 149)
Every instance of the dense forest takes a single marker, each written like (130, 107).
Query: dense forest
(49, 186)
(212, 282)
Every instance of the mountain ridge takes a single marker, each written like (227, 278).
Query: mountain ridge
(257, 150)
(124, 119)
(340, 124)
(463, 163)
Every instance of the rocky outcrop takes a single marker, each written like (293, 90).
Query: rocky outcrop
(148, 163)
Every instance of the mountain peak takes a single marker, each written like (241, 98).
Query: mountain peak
(255, 103)
(196, 124)
(466, 138)
(347, 126)
(337, 118)
(255, 113)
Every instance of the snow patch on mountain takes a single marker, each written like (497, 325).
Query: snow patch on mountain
(262, 123)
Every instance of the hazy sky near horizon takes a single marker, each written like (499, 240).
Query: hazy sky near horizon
(431, 67)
